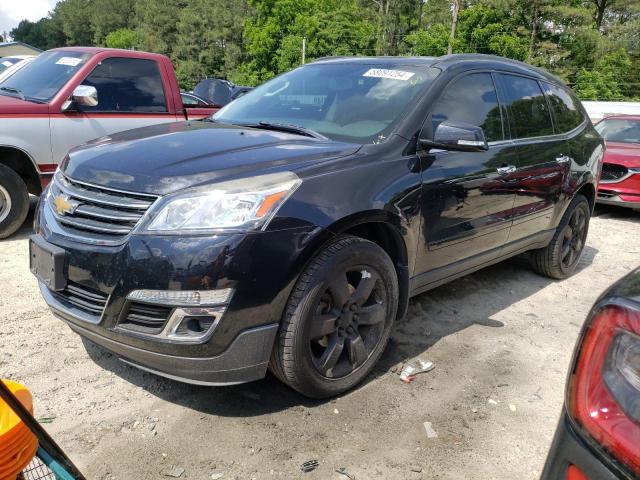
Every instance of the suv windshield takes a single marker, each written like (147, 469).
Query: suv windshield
(44, 76)
(350, 102)
(620, 130)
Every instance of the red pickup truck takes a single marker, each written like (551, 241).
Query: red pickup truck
(68, 96)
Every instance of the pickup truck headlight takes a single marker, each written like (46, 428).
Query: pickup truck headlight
(238, 205)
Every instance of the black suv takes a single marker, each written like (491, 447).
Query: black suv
(289, 230)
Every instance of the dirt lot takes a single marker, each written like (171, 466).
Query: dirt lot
(501, 340)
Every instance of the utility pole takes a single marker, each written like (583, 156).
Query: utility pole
(454, 24)
(304, 49)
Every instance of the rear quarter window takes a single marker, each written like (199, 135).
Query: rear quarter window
(566, 112)
(527, 106)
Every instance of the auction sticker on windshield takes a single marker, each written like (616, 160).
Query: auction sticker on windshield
(69, 61)
(383, 73)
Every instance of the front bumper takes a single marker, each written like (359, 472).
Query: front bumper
(246, 358)
(569, 447)
(622, 193)
(260, 268)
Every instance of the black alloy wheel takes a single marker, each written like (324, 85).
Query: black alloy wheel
(573, 238)
(338, 318)
(348, 322)
(561, 256)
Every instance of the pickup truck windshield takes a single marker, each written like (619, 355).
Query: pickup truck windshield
(347, 101)
(44, 76)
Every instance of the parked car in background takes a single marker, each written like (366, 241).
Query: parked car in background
(290, 229)
(598, 437)
(68, 96)
(14, 68)
(620, 179)
(219, 92)
(190, 99)
(7, 62)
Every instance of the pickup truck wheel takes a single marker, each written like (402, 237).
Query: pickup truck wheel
(14, 201)
(338, 319)
(560, 258)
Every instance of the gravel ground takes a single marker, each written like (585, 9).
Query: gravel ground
(501, 340)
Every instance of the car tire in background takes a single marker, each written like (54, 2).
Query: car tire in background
(560, 258)
(14, 201)
(338, 319)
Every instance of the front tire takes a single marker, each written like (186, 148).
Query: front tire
(560, 258)
(14, 201)
(338, 319)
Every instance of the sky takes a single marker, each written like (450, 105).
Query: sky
(12, 11)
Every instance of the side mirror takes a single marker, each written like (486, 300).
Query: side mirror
(84, 95)
(457, 136)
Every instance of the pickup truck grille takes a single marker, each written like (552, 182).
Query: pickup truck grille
(612, 172)
(97, 214)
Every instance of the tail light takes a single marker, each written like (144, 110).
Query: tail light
(604, 392)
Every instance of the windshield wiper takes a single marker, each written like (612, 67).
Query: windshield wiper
(17, 91)
(287, 127)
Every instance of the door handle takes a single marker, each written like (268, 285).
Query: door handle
(505, 170)
(563, 159)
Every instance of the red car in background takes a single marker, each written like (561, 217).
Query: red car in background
(620, 179)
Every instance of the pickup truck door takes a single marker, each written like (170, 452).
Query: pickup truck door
(131, 94)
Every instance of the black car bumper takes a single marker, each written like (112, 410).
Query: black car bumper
(569, 447)
(246, 358)
(259, 268)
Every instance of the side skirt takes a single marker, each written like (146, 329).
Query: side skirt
(434, 278)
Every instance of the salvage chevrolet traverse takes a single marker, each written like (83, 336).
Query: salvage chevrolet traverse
(289, 230)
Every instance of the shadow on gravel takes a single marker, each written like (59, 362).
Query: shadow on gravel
(431, 317)
(617, 213)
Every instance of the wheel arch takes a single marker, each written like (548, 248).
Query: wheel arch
(588, 190)
(383, 229)
(21, 162)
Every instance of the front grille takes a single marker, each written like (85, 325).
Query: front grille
(612, 172)
(142, 317)
(86, 299)
(96, 213)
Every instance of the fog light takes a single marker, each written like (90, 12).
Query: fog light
(183, 298)
(192, 324)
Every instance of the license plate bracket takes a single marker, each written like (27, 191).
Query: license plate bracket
(47, 262)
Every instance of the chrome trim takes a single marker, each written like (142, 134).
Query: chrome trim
(106, 224)
(102, 187)
(630, 173)
(62, 183)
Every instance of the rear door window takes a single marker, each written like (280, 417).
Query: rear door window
(471, 99)
(528, 109)
(127, 85)
(566, 113)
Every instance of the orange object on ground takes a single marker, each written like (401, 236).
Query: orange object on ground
(18, 444)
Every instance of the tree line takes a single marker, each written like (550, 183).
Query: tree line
(593, 45)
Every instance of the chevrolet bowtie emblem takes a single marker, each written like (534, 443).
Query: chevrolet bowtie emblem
(64, 205)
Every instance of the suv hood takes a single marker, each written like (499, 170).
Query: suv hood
(162, 159)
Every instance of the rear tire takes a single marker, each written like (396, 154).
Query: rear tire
(14, 201)
(338, 319)
(560, 258)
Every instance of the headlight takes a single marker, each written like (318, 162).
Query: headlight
(243, 204)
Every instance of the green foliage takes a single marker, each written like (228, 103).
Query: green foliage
(594, 45)
(122, 38)
(432, 41)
